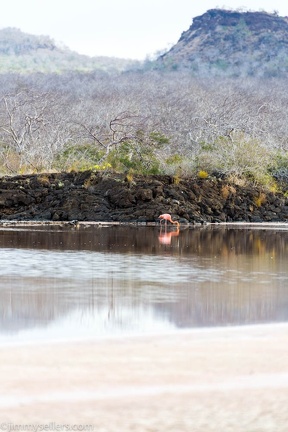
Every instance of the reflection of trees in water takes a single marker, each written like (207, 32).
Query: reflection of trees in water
(226, 306)
(207, 305)
(29, 303)
(34, 302)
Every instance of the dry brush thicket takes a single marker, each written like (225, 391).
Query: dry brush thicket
(147, 122)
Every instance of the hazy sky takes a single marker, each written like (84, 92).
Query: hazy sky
(120, 28)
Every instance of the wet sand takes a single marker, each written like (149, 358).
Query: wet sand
(233, 379)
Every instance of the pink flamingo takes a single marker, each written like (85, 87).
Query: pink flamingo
(167, 217)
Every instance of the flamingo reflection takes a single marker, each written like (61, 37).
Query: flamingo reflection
(166, 236)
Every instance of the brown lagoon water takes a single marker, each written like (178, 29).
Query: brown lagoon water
(64, 283)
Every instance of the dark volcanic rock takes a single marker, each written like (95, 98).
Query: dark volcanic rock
(232, 43)
(90, 196)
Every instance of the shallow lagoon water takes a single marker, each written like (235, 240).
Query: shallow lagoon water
(64, 283)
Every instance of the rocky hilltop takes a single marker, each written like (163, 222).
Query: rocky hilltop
(98, 196)
(232, 43)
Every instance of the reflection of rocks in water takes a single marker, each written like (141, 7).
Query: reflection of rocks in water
(205, 241)
(222, 306)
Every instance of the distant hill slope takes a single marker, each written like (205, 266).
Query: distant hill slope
(25, 53)
(224, 42)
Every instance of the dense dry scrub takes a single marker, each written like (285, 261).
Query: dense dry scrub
(148, 123)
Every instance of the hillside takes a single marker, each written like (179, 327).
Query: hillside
(218, 43)
(231, 43)
(25, 53)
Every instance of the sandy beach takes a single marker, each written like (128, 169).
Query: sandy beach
(229, 379)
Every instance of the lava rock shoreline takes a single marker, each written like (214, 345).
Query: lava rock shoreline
(109, 197)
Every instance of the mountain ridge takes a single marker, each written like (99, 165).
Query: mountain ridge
(22, 52)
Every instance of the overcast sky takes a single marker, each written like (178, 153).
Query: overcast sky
(119, 28)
